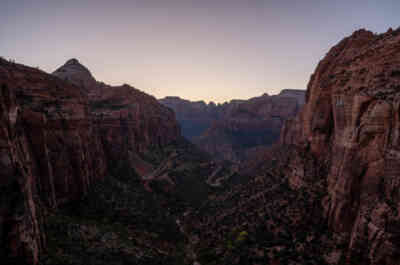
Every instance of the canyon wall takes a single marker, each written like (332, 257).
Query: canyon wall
(349, 130)
(57, 139)
(230, 130)
(20, 236)
(193, 116)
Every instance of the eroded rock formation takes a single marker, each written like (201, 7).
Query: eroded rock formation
(129, 122)
(51, 153)
(350, 127)
(250, 124)
(58, 138)
(230, 130)
(194, 116)
(21, 239)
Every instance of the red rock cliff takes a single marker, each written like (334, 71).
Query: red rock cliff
(229, 130)
(50, 153)
(20, 238)
(250, 124)
(350, 126)
(58, 138)
(129, 122)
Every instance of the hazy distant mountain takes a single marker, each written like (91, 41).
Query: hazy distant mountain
(193, 116)
(229, 130)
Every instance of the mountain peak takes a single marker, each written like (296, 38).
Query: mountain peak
(76, 73)
(72, 61)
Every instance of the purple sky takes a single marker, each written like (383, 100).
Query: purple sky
(206, 49)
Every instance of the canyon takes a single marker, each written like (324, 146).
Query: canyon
(63, 134)
(100, 174)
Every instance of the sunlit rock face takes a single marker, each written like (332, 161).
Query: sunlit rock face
(231, 130)
(350, 125)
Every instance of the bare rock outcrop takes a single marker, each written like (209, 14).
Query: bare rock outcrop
(194, 116)
(230, 130)
(248, 125)
(76, 73)
(350, 126)
(128, 121)
(58, 138)
(50, 154)
(21, 240)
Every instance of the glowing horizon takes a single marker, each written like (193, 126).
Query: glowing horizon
(197, 50)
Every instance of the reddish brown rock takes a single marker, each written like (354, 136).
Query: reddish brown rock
(50, 153)
(129, 122)
(73, 71)
(350, 125)
(194, 116)
(250, 124)
(57, 139)
(230, 130)
(20, 238)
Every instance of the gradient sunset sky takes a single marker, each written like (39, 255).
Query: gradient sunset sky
(206, 49)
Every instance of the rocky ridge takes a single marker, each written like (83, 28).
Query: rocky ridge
(229, 130)
(328, 194)
(350, 127)
(129, 121)
(50, 154)
(59, 140)
(194, 116)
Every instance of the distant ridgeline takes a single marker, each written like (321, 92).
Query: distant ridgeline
(232, 129)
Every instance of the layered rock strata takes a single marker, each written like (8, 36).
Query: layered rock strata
(229, 131)
(59, 137)
(350, 125)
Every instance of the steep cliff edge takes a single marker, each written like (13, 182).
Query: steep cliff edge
(19, 227)
(49, 152)
(248, 125)
(129, 122)
(349, 129)
(193, 116)
(58, 139)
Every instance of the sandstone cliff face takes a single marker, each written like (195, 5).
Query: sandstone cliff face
(250, 124)
(49, 153)
(128, 121)
(194, 117)
(57, 139)
(74, 72)
(229, 130)
(350, 127)
(19, 226)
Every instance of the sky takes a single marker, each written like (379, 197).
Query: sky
(212, 50)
